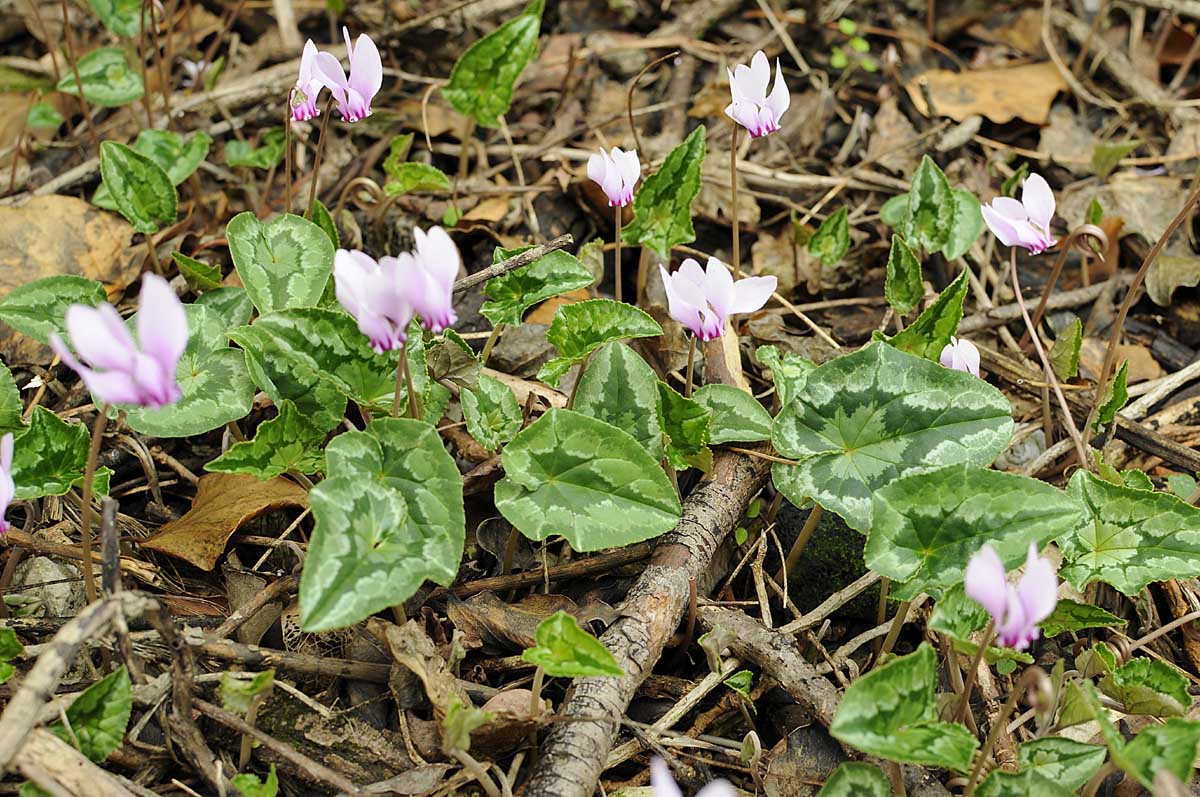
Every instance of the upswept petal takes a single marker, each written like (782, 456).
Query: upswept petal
(329, 71)
(100, 336)
(780, 99)
(1013, 631)
(1001, 226)
(629, 166)
(597, 166)
(685, 300)
(661, 781)
(438, 255)
(1010, 208)
(112, 387)
(366, 67)
(751, 293)
(759, 74)
(691, 271)
(1038, 201)
(961, 355)
(718, 288)
(6, 453)
(1038, 587)
(986, 583)
(162, 324)
(718, 788)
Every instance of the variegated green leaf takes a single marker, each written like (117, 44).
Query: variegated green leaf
(283, 263)
(852, 779)
(1020, 784)
(586, 480)
(452, 359)
(1129, 538)
(662, 207)
(931, 208)
(736, 415)
(580, 328)
(1148, 686)
(267, 155)
(1170, 746)
(866, 419)
(39, 308)
(98, 717)
(107, 78)
(415, 176)
(958, 617)
(903, 286)
(11, 407)
(389, 516)
(287, 442)
(177, 158)
(564, 650)
(232, 304)
(1065, 761)
(317, 358)
(482, 81)
(967, 224)
(511, 294)
(138, 187)
(926, 527)
(831, 241)
(1072, 615)
(1113, 398)
(929, 334)
(49, 457)
(891, 712)
(122, 17)
(788, 371)
(213, 378)
(1064, 354)
(688, 426)
(618, 387)
(491, 412)
(200, 276)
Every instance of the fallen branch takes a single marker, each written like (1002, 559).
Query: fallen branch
(513, 263)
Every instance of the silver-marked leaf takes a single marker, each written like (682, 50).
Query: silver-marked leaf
(1148, 686)
(318, 358)
(415, 176)
(931, 208)
(903, 286)
(482, 81)
(831, 241)
(511, 294)
(1021, 784)
(788, 371)
(177, 158)
(687, 424)
(99, 716)
(929, 334)
(200, 276)
(580, 328)
(39, 308)
(11, 407)
(491, 411)
(140, 189)
(49, 457)
(232, 304)
(853, 779)
(1170, 746)
(389, 516)
(1065, 761)
(107, 78)
(283, 263)
(586, 480)
(287, 442)
(618, 387)
(44, 116)
(736, 415)
(1064, 354)
(10, 649)
(564, 650)
(866, 419)
(267, 155)
(1113, 398)
(1129, 538)
(121, 17)
(1072, 615)
(324, 219)
(215, 384)
(662, 207)
(967, 224)
(891, 712)
(926, 527)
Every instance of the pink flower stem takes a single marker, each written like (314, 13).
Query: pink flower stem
(403, 374)
(85, 516)
(316, 169)
(1031, 676)
(733, 205)
(964, 705)
(617, 256)
(287, 151)
(1077, 236)
(691, 367)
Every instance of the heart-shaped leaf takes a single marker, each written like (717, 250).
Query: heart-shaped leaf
(852, 779)
(107, 78)
(511, 294)
(200, 276)
(931, 208)
(283, 263)
(585, 480)
(831, 241)
(1113, 398)
(122, 17)
(1072, 615)
(564, 650)
(866, 419)
(10, 649)
(49, 457)
(891, 712)
(580, 328)
(39, 308)
(1150, 687)
(287, 442)
(966, 226)
(618, 387)
(481, 83)
(414, 176)
(232, 304)
(1020, 784)
(11, 408)
(929, 334)
(788, 371)
(927, 526)
(140, 189)
(1170, 746)
(736, 415)
(491, 412)
(663, 205)
(687, 424)
(903, 286)
(267, 155)
(1064, 761)
(177, 158)
(389, 516)
(1064, 354)
(99, 716)
(1129, 538)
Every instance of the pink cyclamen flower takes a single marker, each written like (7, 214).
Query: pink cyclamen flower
(664, 785)
(372, 292)
(752, 107)
(1026, 223)
(961, 355)
(701, 300)
(433, 268)
(117, 370)
(353, 94)
(8, 488)
(308, 85)
(616, 173)
(1015, 610)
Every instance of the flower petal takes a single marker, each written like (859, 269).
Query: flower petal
(597, 167)
(690, 271)
(718, 289)
(366, 68)
(329, 71)
(986, 583)
(1038, 587)
(718, 788)
(759, 75)
(162, 324)
(438, 255)
(661, 781)
(780, 99)
(629, 166)
(1001, 226)
(100, 336)
(685, 301)
(1038, 201)
(751, 293)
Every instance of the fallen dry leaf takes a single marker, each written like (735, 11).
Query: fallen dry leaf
(492, 209)
(53, 235)
(414, 651)
(1023, 31)
(891, 135)
(544, 312)
(224, 501)
(1171, 271)
(1145, 204)
(1142, 365)
(1068, 141)
(1023, 92)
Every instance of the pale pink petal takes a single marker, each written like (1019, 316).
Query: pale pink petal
(718, 288)
(439, 256)
(6, 452)
(112, 387)
(690, 270)
(986, 583)
(1013, 629)
(156, 383)
(308, 62)
(661, 781)
(161, 322)
(597, 167)
(735, 88)
(745, 114)
(629, 166)
(759, 76)
(780, 99)
(751, 293)
(1038, 587)
(366, 68)
(329, 71)
(100, 336)
(961, 355)
(685, 301)
(1001, 226)
(718, 788)
(1010, 208)
(1038, 201)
